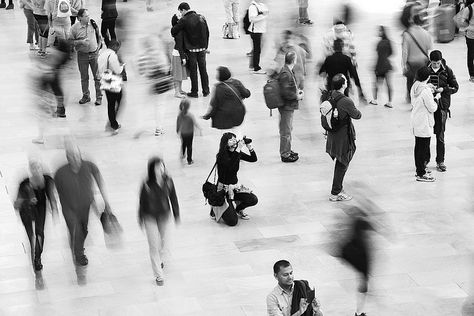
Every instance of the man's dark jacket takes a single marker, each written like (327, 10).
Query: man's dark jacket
(445, 79)
(339, 63)
(288, 89)
(196, 31)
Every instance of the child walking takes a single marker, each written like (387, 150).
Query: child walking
(185, 128)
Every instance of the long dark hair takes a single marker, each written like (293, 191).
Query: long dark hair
(383, 32)
(151, 178)
(223, 144)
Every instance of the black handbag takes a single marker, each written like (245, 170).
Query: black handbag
(209, 190)
(112, 229)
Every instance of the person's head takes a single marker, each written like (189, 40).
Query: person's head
(283, 273)
(183, 8)
(423, 74)
(338, 45)
(436, 59)
(223, 73)
(184, 105)
(114, 45)
(83, 16)
(382, 32)
(339, 82)
(290, 59)
(228, 143)
(337, 21)
(287, 36)
(35, 168)
(156, 169)
(73, 155)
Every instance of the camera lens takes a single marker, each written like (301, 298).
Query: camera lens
(247, 140)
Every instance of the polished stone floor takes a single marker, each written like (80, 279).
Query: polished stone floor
(423, 247)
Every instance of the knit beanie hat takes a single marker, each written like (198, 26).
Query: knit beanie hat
(223, 73)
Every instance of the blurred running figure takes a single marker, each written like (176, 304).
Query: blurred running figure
(383, 66)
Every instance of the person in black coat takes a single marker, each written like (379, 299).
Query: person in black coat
(444, 82)
(383, 66)
(196, 42)
(228, 164)
(109, 16)
(226, 107)
(338, 63)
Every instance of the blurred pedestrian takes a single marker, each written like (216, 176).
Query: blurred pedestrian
(339, 31)
(59, 12)
(185, 125)
(86, 38)
(303, 13)
(258, 14)
(75, 186)
(156, 195)
(416, 44)
(444, 81)
(226, 108)
(110, 67)
(383, 66)
(33, 193)
(422, 121)
(340, 145)
(468, 16)
(178, 61)
(109, 16)
(288, 44)
(31, 23)
(232, 18)
(76, 5)
(196, 42)
(41, 18)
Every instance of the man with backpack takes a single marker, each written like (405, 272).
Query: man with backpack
(444, 82)
(291, 96)
(340, 144)
(196, 41)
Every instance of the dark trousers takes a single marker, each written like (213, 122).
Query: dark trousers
(84, 60)
(198, 60)
(257, 50)
(187, 146)
(422, 154)
(245, 200)
(36, 237)
(440, 117)
(470, 56)
(339, 173)
(108, 28)
(33, 26)
(55, 86)
(113, 106)
(77, 221)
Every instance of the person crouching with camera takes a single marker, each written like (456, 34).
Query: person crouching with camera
(228, 161)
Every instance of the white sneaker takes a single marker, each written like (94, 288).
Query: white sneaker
(159, 131)
(425, 178)
(341, 197)
(260, 72)
(373, 102)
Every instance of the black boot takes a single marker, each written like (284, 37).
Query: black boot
(3, 4)
(10, 5)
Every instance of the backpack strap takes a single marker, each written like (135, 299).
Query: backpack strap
(418, 44)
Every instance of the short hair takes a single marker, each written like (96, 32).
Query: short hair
(290, 57)
(338, 45)
(223, 73)
(184, 6)
(436, 55)
(280, 264)
(338, 81)
(80, 13)
(422, 73)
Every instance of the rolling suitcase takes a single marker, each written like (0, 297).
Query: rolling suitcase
(444, 24)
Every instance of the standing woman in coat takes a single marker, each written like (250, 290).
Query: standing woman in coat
(33, 193)
(422, 121)
(383, 66)
(156, 195)
(226, 107)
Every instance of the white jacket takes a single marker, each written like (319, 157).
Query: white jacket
(424, 105)
(258, 22)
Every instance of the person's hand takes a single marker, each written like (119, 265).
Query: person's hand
(205, 117)
(208, 51)
(440, 90)
(437, 96)
(240, 144)
(183, 61)
(33, 200)
(315, 304)
(303, 306)
(249, 147)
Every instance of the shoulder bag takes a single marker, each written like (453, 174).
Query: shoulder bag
(209, 190)
(410, 69)
(110, 81)
(240, 113)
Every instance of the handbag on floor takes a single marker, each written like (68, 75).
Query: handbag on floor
(209, 190)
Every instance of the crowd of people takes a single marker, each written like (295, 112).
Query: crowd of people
(57, 28)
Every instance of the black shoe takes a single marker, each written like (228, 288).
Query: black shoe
(292, 153)
(190, 162)
(61, 112)
(84, 100)
(290, 158)
(205, 94)
(192, 95)
(37, 264)
(3, 5)
(82, 260)
(10, 6)
(98, 101)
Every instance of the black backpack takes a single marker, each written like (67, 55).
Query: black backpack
(246, 22)
(329, 121)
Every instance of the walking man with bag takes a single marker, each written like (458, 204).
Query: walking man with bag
(86, 38)
(291, 96)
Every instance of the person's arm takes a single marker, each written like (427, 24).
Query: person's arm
(213, 105)
(254, 16)
(114, 64)
(351, 110)
(353, 72)
(404, 51)
(389, 49)
(249, 158)
(272, 306)
(178, 27)
(49, 187)
(22, 196)
(429, 102)
(287, 87)
(142, 204)
(453, 85)
(244, 92)
(100, 184)
(174, 201)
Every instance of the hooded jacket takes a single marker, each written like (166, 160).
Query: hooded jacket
(424, 105)
(444, 78)
(196, 31)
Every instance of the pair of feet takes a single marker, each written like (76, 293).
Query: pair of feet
(306, 22)
(10, 6)
(387, 105)
(86, 99)
(240, 214)
(428, 177)
(341, 197)
(189, 161)
(258, 71)
(293, 157)
(195, 94)
(180, 94)
(159, 280)
(471, 79)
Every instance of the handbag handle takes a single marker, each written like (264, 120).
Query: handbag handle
(238, 97)
(417, 44)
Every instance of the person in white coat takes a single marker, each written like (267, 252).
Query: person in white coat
(422, 121)
(258, 13)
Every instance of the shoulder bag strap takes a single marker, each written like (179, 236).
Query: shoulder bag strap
(213, 168)
(417, 44)
(238, 96)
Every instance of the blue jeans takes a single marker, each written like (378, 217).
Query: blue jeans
(84, 60)
(286, 126)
